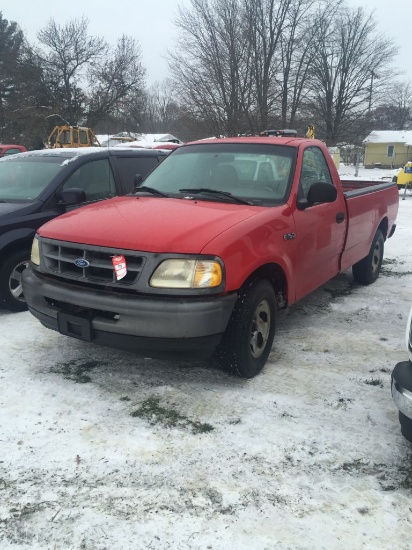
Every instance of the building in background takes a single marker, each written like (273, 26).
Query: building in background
(388, 148)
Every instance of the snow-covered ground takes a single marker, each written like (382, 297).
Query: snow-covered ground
(378, 174)
(101, 449)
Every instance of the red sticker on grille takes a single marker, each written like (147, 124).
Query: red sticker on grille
(120, 268)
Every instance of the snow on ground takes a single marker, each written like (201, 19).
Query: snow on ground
(378, 174)
(101, 449)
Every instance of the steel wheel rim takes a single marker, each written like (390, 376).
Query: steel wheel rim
(376, 257)
(260, 329)
(15, 283)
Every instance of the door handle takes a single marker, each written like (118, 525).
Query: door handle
(340, 216)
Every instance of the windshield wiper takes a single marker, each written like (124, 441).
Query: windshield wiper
(151, 190)
(207, 191)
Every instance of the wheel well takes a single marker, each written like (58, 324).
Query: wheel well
(276, 276)
(383, 226)
(13, 247)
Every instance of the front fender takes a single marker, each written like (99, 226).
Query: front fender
(264, 239)
(16, 236)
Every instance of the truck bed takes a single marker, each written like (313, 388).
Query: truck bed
(362, 187)
(362, 218)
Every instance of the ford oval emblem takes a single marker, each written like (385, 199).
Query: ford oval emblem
(81, 262)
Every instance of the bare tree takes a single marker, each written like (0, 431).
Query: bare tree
(297, 49)
(348, 53)
(161, 109)
(69, 51)
(114, 80)
(89, 81)
(211, 64)
(266, 21)
(395, 111)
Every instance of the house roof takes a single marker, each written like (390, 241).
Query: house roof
(390, 136)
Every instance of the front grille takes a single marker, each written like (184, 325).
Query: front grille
(59, 259)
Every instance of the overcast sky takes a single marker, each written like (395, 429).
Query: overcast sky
(151, 23)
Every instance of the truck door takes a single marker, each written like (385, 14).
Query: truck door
(320, 228)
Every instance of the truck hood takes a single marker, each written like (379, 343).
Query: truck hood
(149, 224)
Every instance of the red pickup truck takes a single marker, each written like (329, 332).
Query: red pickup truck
(199, 258)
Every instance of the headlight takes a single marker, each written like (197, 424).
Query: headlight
(35, 253)
(187, 274)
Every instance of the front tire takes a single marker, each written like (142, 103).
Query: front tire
(11, 290)
(246, 344)
(367, 270)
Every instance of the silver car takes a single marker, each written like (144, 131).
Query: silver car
(402, 386)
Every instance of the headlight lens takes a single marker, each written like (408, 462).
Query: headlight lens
(178, 273)
(35, 252)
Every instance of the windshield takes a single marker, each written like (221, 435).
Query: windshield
(24, 179)
(257, 173)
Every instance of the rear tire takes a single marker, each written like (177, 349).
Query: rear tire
(11, 290)
(246, 344)
(367, 270)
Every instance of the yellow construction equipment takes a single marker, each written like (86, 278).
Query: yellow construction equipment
(404, 177)
(72, 136)
(310, 132)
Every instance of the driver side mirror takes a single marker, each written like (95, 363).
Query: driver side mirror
(319, 192)
(72, 196)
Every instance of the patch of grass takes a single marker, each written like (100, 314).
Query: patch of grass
(76, 370)
(398, 274)
(406, 483)
(374, 382)
(386, 262)
(385, 370)
(342, 403)
(389, 272)
(357, 464)
(389, 476)
(154, 413)
(391, 261)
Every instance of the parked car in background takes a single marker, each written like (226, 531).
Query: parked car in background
(402, 386)
(37, 186)
(6, 150)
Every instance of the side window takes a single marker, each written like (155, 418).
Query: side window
(11, 151)
(83, 137)
(128, 167)
(95, 178)
(314, 168)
